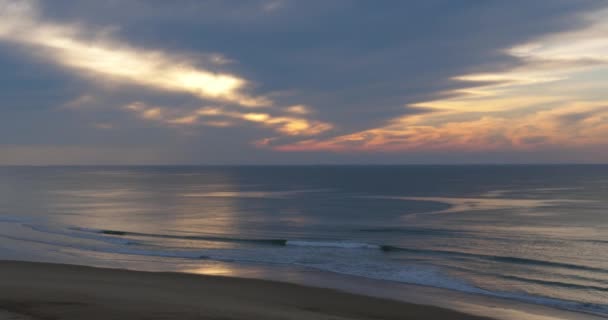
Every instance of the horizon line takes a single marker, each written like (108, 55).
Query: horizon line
(319, 164)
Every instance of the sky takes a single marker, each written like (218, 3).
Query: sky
(303, 82)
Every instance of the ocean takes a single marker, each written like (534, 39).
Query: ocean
(531, 233)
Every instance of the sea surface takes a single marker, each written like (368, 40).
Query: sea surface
(534, 233)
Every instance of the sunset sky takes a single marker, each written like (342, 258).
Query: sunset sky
(303, 82)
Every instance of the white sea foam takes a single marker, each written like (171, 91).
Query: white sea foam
(331, 258)
(485, 204)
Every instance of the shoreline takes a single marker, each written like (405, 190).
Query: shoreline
(33, 290)
(486, 307)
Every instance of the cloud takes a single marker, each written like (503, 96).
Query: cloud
(98, 56)
(566, 126)
(495, 78)
(299, 109)
(222, 117)
(272, 5)
(577, 117)
(80, 102)
(552, 97)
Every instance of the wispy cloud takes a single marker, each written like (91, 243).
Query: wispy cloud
(98, 56)
(272, 5)
(299, 109)
(569, 126)
(508, 86)
(555, 96)
(222, 117)
(80, 102)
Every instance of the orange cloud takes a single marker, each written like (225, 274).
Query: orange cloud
(220, 117)
(569, 126)
(555, 97)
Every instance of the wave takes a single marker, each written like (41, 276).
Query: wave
(118, 250)
(507, 259)
(494, 235)
(112, 240)
(418, 231)
(589, 308)
(418, 275)
(332, 244)
(280, 242)
(555, 283)
(345, 244)
(344, 260)
(423, 275)
(272, 242)
(595, 241)
(551, 283)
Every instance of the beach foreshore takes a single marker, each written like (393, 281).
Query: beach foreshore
(56, 291)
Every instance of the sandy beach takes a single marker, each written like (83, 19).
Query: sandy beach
(53, 291)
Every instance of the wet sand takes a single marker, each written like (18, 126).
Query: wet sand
(54, 291)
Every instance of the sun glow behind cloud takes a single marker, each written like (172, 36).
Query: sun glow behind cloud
(97, 56)
(556, 96)
(100, 56)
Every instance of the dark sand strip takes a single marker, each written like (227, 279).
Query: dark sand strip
(52, 291)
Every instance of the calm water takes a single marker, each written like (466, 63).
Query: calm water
(531, 233)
